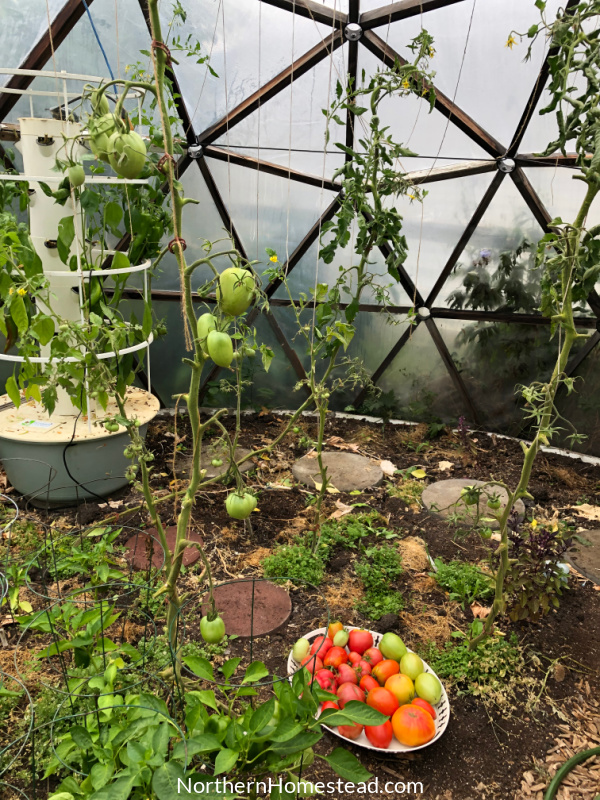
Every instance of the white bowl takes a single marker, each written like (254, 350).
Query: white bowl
(442, 709)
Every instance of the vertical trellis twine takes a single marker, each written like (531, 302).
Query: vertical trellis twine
(176, 233)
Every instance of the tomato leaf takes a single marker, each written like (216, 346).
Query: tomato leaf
(19, 313)
(255, 672)
(225, 761)
(200, 667)
(12, 390)
(347, 766)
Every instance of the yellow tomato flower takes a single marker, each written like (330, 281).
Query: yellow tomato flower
(412, 196)
(273, 259)
(22, 292)
(431, 52)
(405, 84)
(11, 290)
(510, 42)
(534, 523)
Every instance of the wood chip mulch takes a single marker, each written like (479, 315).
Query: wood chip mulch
(581, 732)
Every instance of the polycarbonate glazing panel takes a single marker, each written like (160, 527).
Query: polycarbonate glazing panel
(473, 65)
(582, 407)
(268, 211)
(561, 194)
(80, 53)
(421, 383)
(24, 22)
(506, 223)
(428, 133)
(248, 42)
(543, 129)
(201, 223)
(311, 270)
(293, 122)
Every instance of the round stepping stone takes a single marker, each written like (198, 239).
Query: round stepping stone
(272, 607)
(444, 498)
(137, 548)
(184, 467)
(346, 471)
(586, 558)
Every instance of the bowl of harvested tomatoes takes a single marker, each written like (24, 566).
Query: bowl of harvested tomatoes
(379, 670)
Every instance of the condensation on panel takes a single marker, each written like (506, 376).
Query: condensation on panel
(268, 211)
(494, 359)
(24, 22)
(473, 65)
(506, 224)
(582, 407)
(290, 128)
(248, 43)
(420, 385)
(80, 53)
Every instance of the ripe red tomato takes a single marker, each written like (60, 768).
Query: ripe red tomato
(346, 674)
(349, 691)
(335, 657)
(329, 704)
(321, 646)
(363, 668)
(333, 628)
(326, 680)
(373, 655)
(354, 658)
(368, 682)
(350, 731)
(360, 640)
(312, 663)
(384, 670)
(418, 701)
(380, 735)
(382, 700)
(413, 726)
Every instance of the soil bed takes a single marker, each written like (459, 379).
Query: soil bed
(486, 749)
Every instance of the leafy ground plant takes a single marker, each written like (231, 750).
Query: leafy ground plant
(464, 582)
(380, 567)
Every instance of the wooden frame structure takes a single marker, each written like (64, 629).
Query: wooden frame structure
(369, 22)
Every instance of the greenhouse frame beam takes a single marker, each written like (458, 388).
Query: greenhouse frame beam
(312, 10)
(404, 338)
(451, 172)
(352, 68)
(298, 68)
(466, 236)
(455, 375)
(62, 24)
(531, 197)
(241, 160)
(401, 10)
(442, 103)
(504, 316)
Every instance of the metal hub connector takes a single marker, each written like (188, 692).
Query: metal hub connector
(506, 165)
(353, 31)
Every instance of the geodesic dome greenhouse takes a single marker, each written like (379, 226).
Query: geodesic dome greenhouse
(462, 331)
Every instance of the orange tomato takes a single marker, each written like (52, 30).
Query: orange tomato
(401, 687)
(382, 700)
(368, 682)
(333, 628)
(413, 726)
(384, 670)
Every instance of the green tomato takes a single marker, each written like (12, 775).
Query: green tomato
(112, 427)
(212, 630)
(428, 687)
(206, 324)
(220, 348)
(235, 290)
(217, 462)
(217, 725)
(99, 103)
(240, 506)
(127, 154)
(494, 504)
(76, 175)
(469, 495)
(100, 131)
(248, 351)
(392, 646)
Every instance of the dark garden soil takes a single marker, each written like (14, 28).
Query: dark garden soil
(486, 748)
